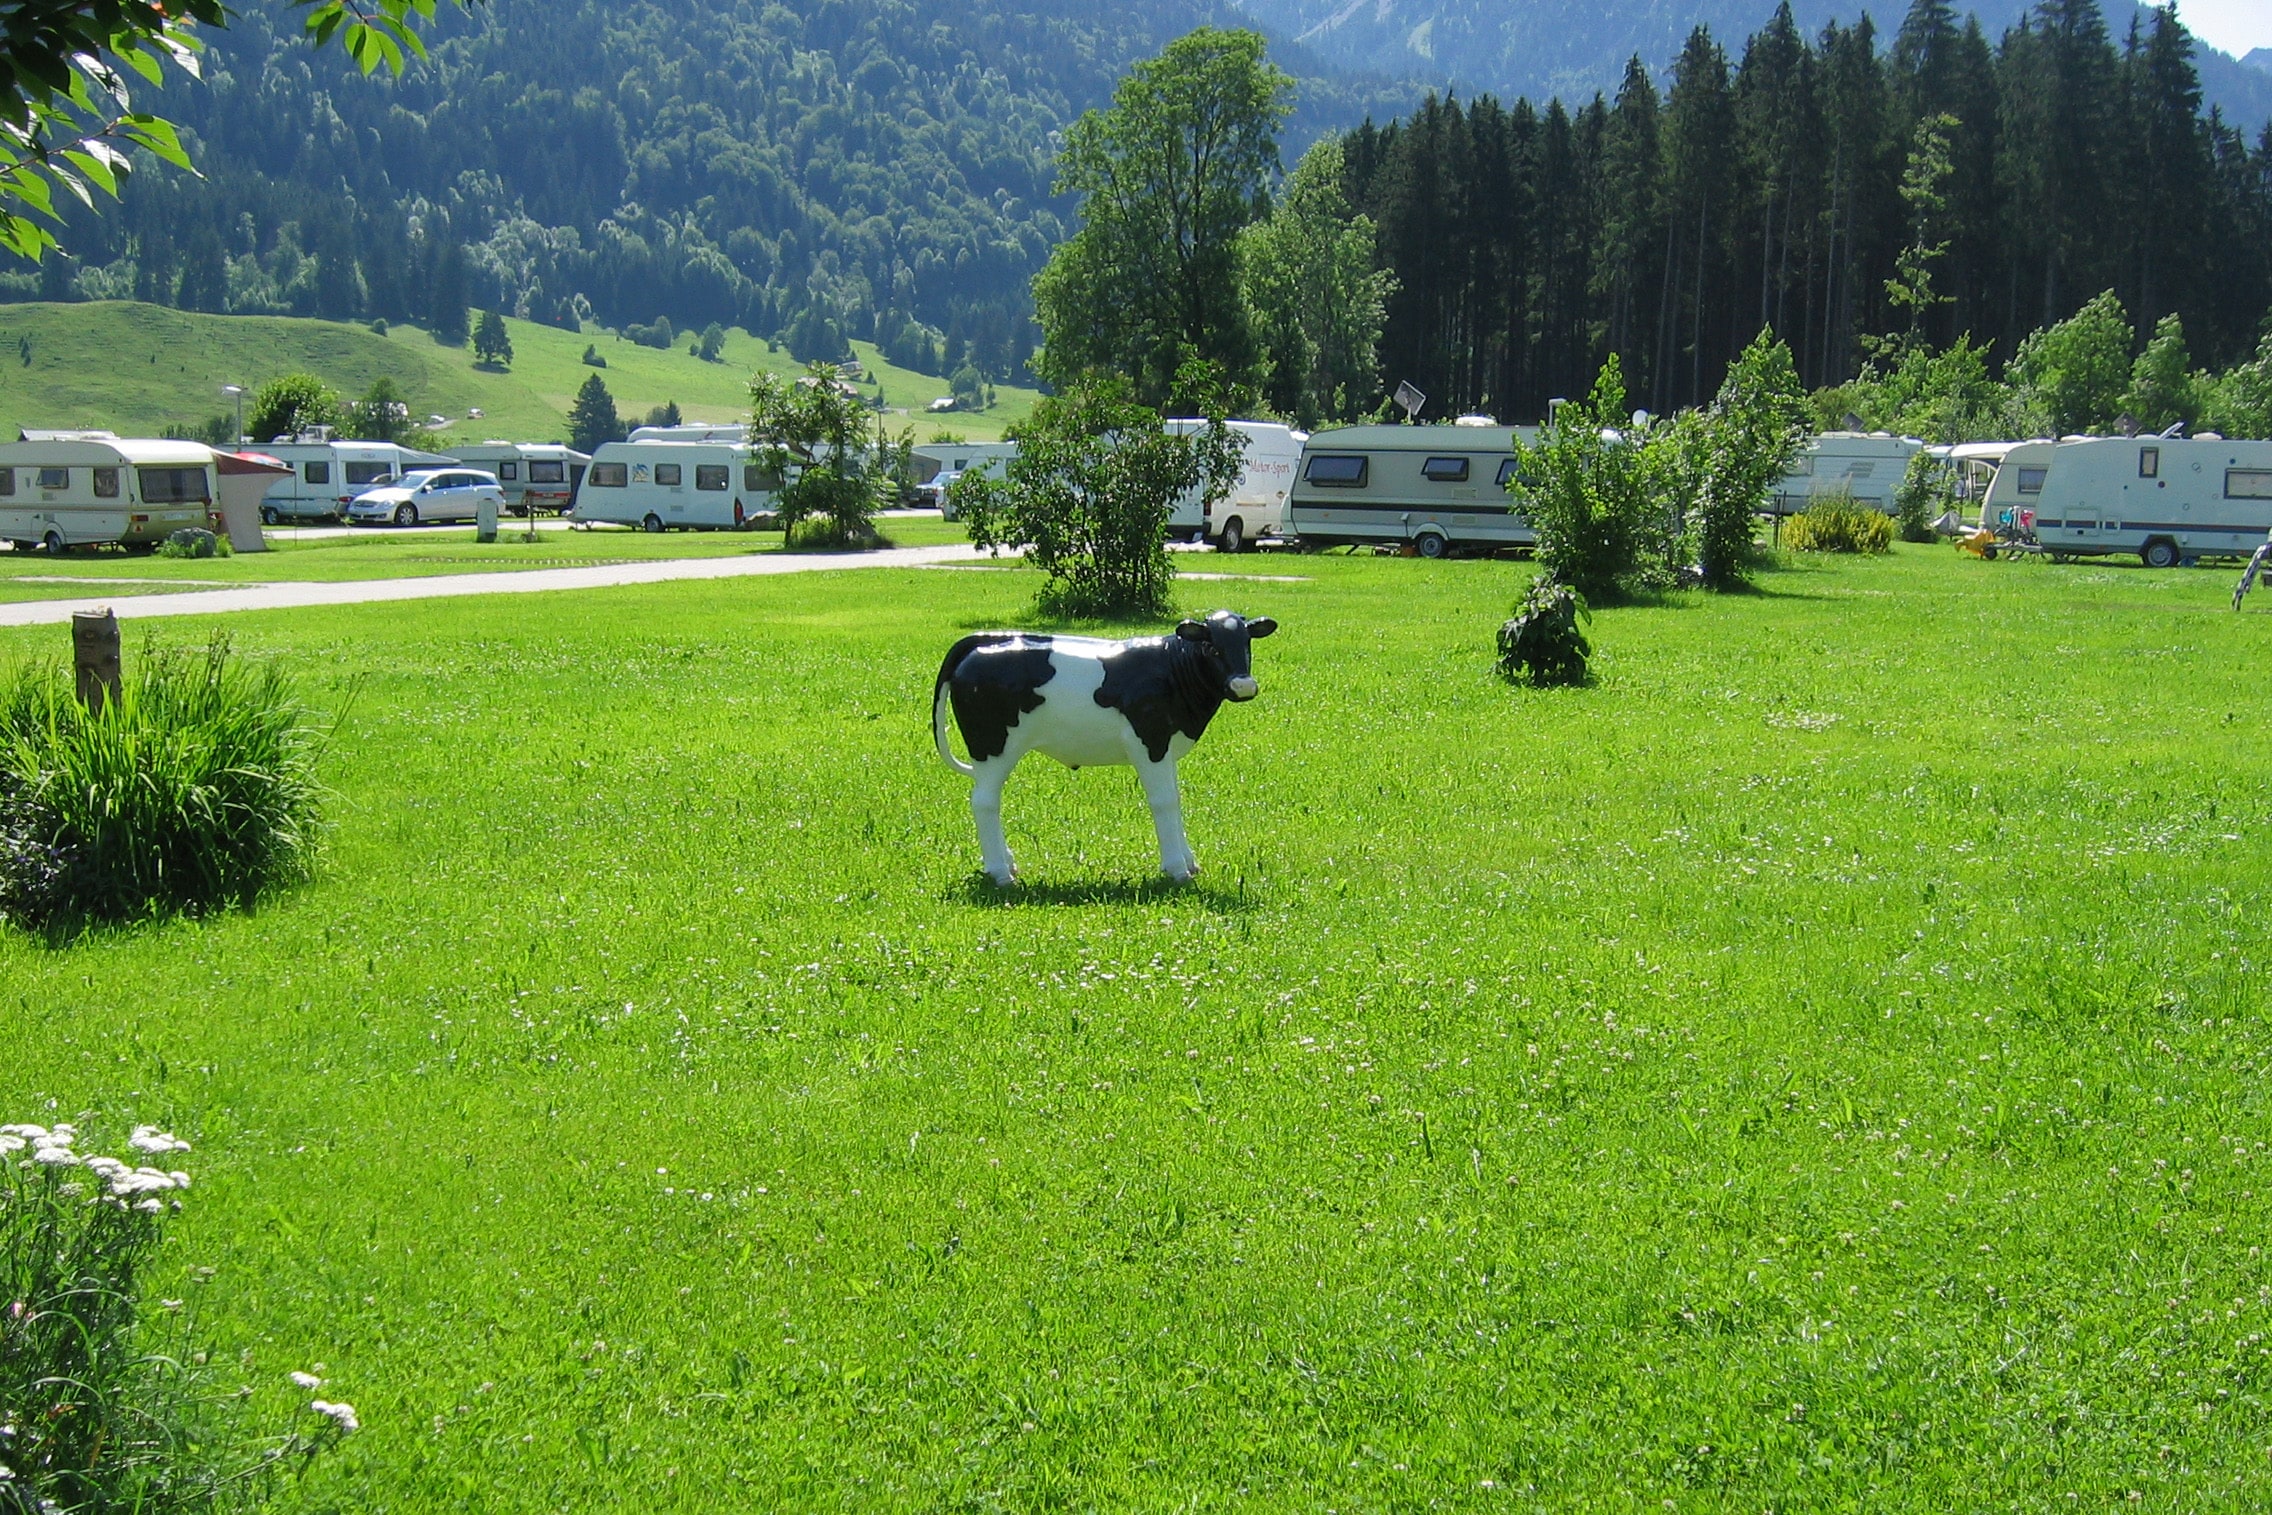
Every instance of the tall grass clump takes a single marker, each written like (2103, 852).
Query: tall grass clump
(102, 1408)
(194, 790)
(1835, 523)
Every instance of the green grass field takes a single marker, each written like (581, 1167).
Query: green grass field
(1821, 1066)
(135, 368)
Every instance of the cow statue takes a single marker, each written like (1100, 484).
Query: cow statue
(1090, 703)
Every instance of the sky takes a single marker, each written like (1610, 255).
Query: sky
(2229, 26)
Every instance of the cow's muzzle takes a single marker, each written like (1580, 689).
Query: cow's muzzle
(1244, 688)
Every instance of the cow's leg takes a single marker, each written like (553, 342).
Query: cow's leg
(986, 810)
(1166, 800)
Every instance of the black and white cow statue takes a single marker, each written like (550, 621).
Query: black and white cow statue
(1090, 703)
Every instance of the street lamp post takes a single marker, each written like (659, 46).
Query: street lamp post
(236, 392)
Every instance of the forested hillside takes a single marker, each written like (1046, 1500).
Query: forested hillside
(841, 168)
(1781, 188)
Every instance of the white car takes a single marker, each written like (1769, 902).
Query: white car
(430, 494)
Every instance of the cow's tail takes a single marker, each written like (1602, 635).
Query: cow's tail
(955, 655)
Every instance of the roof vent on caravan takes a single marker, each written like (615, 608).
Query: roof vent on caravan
(313, 435)
(692, 432)
(1476, 420)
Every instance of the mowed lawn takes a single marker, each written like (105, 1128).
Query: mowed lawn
(1821, 1066)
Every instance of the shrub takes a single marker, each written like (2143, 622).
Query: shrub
(1834, 523)
(193, 542)
(1725, 458)
(193, 790)
(816, 431)
(1921, 497)
(1544, 642)
(1586, 489)
(592, 358)
(94, 1415)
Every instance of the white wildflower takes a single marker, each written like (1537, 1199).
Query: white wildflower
(11, 1142)
(151, 1139)
(150, 1206)
(342, 1413)
(307, 1380)
(181, 1179)
(26, 1132)
(108, 1167)
(56, 1157)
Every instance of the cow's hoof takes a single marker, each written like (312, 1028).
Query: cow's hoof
(1184, 877)
(1003, 880)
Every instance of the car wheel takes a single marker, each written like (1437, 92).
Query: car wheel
(653, 523)
(406, 515)
(2159, 553)
(1432, 545)
(1233, 538)
(52, 543)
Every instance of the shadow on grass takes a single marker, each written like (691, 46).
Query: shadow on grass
(1215, 899)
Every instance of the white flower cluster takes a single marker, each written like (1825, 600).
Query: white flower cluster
(342, 1413)
(129, 1186)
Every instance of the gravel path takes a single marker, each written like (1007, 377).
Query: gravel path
(293, 596)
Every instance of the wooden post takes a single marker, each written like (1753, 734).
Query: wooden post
(94, 656)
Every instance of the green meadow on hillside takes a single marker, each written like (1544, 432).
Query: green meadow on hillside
(1819, 1066)
(136, 368)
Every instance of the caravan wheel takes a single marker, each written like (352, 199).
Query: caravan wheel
(1432, 545)
(52, 543)
(653, 523)
(270, 516)
(2161, 552)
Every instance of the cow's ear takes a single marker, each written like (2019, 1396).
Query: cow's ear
(1193, 631)
(1261, 626)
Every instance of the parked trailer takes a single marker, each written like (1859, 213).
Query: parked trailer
(327, 475)
(2167, 499)
(1254, 506)
(1436, 488)
(534, 475)
(2015, 489)
(1867, 464)
(658, 485)
(76, 489)
(939, 464)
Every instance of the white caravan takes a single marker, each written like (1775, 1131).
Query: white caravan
(657, 485)
(534, 475)
(1437, 488)
(327, 475)
(1255, 505)
(2008, 503)
(939, 464)
(1869, 464)
(73, 489)
(2167, 499)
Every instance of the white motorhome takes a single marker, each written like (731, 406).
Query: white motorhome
(1255, 505)
(534, 475)
(72, 489)
(1438, 488)
(2167, 499)
(1867, 464)
(657, 485)
(939, 464)
(327, 475)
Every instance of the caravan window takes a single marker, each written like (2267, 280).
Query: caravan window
(106, 483)
(605, 476)
(7, 481)
(2149, 462)
(2248, 483)
(1338, 470)
(367, 473)
(173, 486)
(548, 473)
(55, 478)
(316, 473)
(2031, 480)
(710, 476)
(758, 479)
(1802, 466)
(1445, 470)
(667, 475)
(508, 470)
(1508, 473)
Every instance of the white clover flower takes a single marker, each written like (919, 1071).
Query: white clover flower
(151, 1139)
(307, 1380)
(342, 1414)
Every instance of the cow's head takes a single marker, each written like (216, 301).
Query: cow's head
(1225, 639)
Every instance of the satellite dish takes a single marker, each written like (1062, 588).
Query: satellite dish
(1409, 400)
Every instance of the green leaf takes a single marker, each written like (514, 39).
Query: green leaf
(159, 136)
(94, 168)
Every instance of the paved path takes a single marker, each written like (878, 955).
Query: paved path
(292, 596)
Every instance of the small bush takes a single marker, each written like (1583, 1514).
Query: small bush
(193, 542)
(592, 358)
(1834, 523)
(1544, 643)
(194, 790)
(1922, 496)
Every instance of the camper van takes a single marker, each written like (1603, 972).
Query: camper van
(2167, 499)
(534, 475)
(1255, 505)
(1869, 464)
(939, 464)
(655, 485)
(73, 489)
(328, 475)
(1437, 488)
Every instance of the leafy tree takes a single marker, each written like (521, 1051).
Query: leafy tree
(2240, 403)
(814, 337)
(1089, 494)
(1586, 489)
(665, 414)
(968, 386)
(1924, 191)
(1727, 456)
(445, 296)
(1168, 177)
(1920, 498)
(1944, 396)
(814, 431)
(492, 343)
(2078, 369)
(592, 419)
(1318, 302)
(289, 405)
(2164, 389)
(382, 415)
(713, 345)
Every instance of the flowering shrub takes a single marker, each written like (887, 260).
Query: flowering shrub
(92, 1416)
(1834, 523)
